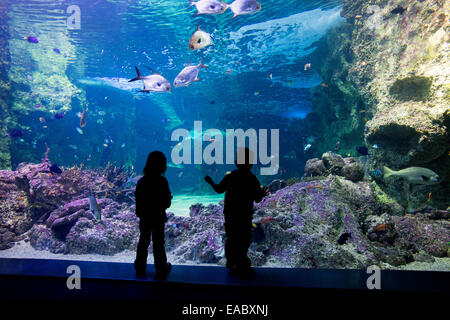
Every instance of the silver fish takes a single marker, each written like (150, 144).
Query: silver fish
(209, 6)
(415, 175)
(95, 208)
(199, 39)
(154, 82)
(188, 75)
(241, 7)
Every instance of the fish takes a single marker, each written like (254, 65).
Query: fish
(154, 82)
(376, 173)
(199, 39)
(55, 169)
(270, 76)
(266, 220)
(56, 50)
(414, 175)
(83, 118)
(362, 150)
(380, 228)
(376, 146)
(31, 39)
(79, 130)
(337, 146)
(399, 10)
(209, 6)
(212, 102)
(123, 145)
(134, 180)
(42, 119)
(307, 147)
(256, 93)
(307, 66)
(188, 75)
(95, 208)
(358, 16)
(37, 106)
(241, 7)
(59, 115)
(324, 85)
(429, 196)
(343, 238)
(173, 165)
(71, 146)
(16, 133)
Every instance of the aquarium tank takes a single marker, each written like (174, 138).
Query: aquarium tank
(343, 103)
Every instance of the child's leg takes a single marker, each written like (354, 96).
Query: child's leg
(159, 251)
(243, 241)
(228, 245)
(142, 247)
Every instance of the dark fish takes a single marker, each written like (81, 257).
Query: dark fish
(32, 39)
(16, 133)
(83, 118)
(212, 102)
(37, 106)
(343, 238)
(363, 150)
(59, 115)
(398, 10)
(56, 50)
(55, 169)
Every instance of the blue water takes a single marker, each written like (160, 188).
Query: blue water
(255, 79)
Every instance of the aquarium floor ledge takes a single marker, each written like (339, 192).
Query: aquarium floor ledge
(45, 279)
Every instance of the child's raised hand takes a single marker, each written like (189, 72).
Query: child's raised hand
(209, 179)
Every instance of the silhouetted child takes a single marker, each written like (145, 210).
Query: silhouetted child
(153, 197)
(242, 189)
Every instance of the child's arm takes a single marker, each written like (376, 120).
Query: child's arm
(260, 191)
(219, 188)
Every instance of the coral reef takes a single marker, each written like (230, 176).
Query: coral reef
(388, 80)
(34, 197)
(297, 225)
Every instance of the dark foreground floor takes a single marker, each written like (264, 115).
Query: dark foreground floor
(191, 286)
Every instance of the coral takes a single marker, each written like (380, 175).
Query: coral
(294, 226)
(388, 81)
(418, 233)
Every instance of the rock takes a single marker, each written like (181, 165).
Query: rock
(276, 185)
(6, 239)
(423, 257)
(61, 226)
(333, 162)
(393, 256)
(353, 171)
(419, 233)
(314, 167)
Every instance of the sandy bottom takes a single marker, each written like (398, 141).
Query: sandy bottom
(181, 203)
(23, 250)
